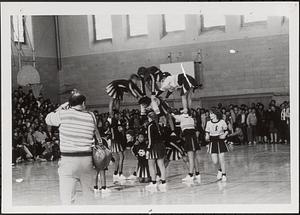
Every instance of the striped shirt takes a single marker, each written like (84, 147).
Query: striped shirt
(76, 129)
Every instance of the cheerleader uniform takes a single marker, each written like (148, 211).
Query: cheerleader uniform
(156, 146)
(173, 82)
(187, 125)
(174, 148)
(215, 129)
(117, 88)
(150, 75)
(117, 137)
(159, 106)
(139, 150)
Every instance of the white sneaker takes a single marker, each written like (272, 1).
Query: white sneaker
(224, 178)
(132, 177)
(173, 134)
(122, 177)
(188, 178)
(115, 177)
(96, 190)
(162, 187)
(151, 187)
(198, 178)
(219, 175)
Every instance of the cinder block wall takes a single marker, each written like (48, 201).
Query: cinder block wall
(259, 71)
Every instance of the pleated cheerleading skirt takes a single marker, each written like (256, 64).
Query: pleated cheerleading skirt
(191, 142)
(217, 145)
(158, 151)
(114, 91)
(186, 82)
(174, 148)
(143, 170)
(116, 146)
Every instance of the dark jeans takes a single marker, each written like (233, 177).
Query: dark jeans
(251, 133)
(244, 130)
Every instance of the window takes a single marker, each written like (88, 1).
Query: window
(254, 17)
(138, 25)
(174, 22)
(213, 19)
(103, 27)
(18, 28)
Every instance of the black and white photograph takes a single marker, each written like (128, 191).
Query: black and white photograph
(150, 107)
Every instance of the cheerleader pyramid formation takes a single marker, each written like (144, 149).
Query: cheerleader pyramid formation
(155, 145)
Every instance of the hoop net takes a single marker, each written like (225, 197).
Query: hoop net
(28, 75)
(36, 89)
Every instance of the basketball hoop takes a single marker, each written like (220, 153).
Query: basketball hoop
(28, 75)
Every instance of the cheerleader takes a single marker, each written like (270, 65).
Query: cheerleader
(131, 140)
(155, 152)
(216, 132)
(174, 147)
(118, 142)
(160, 107)
(191, 145)
(183, 82)
(117, 88)
(139, 150)
(150, 76)
(174, 150)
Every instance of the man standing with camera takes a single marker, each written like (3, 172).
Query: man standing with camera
(76, 134)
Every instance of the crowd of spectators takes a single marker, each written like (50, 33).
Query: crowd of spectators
(33, 140)
(247, 124)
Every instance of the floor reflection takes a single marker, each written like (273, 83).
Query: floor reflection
(256, 174)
